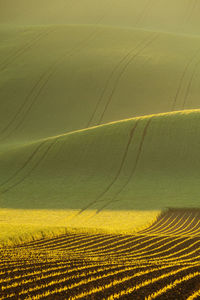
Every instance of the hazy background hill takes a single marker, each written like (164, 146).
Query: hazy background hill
(145, 163)
(56, 79)
(164, 15)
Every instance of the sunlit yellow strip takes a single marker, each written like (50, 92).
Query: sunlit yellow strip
(194, 295)
(92, 279)
(34, 272)
(130, 249)
(138, 240)
(171, 229)
(146, 250)
(177, 220)
(86, 244)
(172, 254)
(41, 243)
(163, 251)
(144, 284)
(186, 254)
(182, 228)
(103, 248)
(71, 239)
(71, 245)
(182, 259)
(129, 290)
(172, 285)
(166, 258)
(66, 272)
(159, 224)
(140, 253)
(177, 260)
(83, 281)
(163, 229)
(44, 270)
(107, 250)
(193, 230)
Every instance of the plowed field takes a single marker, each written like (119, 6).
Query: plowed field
(160, 262)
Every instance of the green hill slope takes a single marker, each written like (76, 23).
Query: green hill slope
(56, 79)
(165, 15)
(141, 163)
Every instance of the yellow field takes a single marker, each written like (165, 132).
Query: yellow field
(18, 225)
(157, 262)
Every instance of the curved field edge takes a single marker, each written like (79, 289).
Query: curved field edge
(173, 15)
(145, 163)
(19, 226)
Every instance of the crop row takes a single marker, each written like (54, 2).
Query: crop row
(152, 264)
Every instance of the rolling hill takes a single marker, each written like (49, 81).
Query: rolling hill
(144, 163)
(181, 16)
(91, 75)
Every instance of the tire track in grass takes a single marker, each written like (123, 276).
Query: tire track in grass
(146, 9)
(134, 167)
(40, 84)
(31, 170)
(116, 83)
(116, 67)
(23, 49)
(190, 11)
(33, 154)
(190, 85)
(131, 135)
(107, 85)
(181, 81)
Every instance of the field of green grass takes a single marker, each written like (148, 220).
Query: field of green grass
(91, 75)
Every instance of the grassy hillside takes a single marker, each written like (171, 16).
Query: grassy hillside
(146, 163)
(165, 15)
(56, 79)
